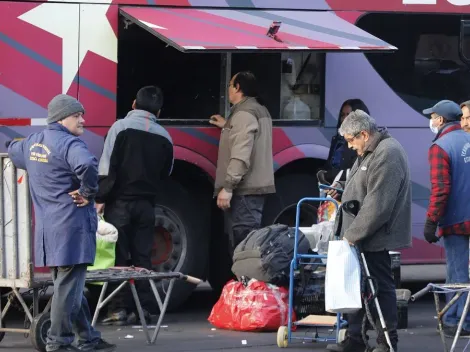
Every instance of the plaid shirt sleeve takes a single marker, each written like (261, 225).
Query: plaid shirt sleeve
(440, 182)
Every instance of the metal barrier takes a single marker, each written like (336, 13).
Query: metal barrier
(458, 289)
(16, 265)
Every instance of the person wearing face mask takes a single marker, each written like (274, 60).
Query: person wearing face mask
(63, 179)
(340, 157)
(448, 210)
(380, 181)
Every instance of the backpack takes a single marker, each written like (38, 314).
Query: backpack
(266, 254)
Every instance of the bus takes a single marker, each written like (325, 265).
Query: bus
(398, 56)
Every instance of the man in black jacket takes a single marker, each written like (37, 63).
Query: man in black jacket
(137, 156)
(340, 157)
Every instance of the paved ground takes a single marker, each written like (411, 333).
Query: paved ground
(189, 330)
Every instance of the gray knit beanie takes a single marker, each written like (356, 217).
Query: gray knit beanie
(62, 106)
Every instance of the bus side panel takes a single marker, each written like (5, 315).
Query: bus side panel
(351, 76)
(98, 63)
(39, 46)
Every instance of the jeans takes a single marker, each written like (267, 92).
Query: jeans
(244, 216)
(456, 247)
(135, 222)
(69, 311)
(380, 267)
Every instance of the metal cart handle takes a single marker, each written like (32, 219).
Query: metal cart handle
(421, 293)
(192, 279)
(326, 187)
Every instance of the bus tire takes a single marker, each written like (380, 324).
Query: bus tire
(220, 259)
(181, 227)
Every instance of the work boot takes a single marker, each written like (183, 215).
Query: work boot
(133, 318)
(118, 317)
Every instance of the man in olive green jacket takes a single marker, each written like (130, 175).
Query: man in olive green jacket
(245, 173)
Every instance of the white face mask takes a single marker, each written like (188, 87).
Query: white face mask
(433, 128)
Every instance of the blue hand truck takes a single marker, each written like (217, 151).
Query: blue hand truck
(285, 333)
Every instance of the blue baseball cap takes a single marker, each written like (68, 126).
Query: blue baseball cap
(446, 108)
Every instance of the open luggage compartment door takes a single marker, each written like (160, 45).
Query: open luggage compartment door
(197, 30)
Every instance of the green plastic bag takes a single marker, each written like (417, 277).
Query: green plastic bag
(106, 238)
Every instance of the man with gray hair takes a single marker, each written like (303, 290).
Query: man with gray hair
(380, 181)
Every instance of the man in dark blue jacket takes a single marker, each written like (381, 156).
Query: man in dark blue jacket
(63, 178)
(448, 210)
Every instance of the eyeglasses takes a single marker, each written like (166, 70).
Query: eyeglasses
(350, 140)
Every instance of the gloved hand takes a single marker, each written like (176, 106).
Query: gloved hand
(430, 231)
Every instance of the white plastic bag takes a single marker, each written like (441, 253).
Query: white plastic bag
(106, 232)
(106, 238)
(319, 236)
(343, 279)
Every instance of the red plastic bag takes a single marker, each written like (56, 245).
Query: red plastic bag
(256, 307)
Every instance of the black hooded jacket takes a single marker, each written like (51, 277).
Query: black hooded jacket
(347, 157)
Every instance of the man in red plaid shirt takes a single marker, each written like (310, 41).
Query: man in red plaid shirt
(449, 158)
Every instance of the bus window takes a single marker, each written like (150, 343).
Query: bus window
(190, 82)
(427, 66)
(290, 83)
(465, 40)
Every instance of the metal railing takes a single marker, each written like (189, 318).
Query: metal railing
(16, 264)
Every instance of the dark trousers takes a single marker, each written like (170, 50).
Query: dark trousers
(70, 313)
(380, 268)
(244, 216)
(456, 247)
(135, 222)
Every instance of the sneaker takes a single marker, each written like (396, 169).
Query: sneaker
(133, 318)
(101, 346)
(450, 331)
(69, 348)
(104, 346)
(383, 348)
(334, 347)
(115, 318)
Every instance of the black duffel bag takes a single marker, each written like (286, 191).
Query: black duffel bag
(266, 254)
